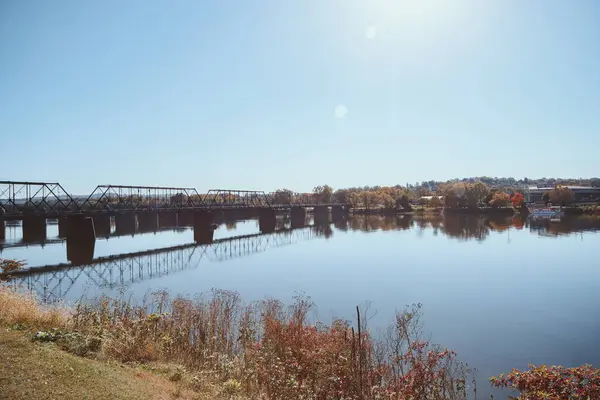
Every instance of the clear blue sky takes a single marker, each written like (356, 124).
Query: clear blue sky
(267, 94)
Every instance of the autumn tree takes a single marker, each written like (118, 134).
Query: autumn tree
(404, 202)
(323, 193)
(282, 196)
(369, 199)
(451, 199)
(561, 195)
(386, 199)
(342, 196)
(518, 201)
(354, 199)
(435, 202)
(546, 198)
(475, 193)
(500, 199)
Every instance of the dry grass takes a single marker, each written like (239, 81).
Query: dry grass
(23, 309)
(216, 347)
(7, 266)
(31, 370)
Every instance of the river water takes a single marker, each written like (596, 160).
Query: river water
(502, 292)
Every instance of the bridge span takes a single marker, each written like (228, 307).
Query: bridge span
(148, 208)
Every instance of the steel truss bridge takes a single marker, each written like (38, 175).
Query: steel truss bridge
(52, 282)
(50, 199)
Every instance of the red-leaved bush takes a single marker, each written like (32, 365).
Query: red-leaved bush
(552, 383)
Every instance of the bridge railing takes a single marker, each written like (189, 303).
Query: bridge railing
(235, 198)
(136, 198)
(34, 197)
(19, 198)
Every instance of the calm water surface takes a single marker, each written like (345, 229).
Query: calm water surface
(500, 292)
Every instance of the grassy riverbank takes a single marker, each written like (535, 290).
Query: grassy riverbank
(30, 370)
(216, 347)
(261, 350)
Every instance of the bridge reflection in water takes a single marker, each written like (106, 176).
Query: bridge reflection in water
(53, 282)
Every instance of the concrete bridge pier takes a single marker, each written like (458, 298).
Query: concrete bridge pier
(204, 228)
(203, 219)
(167, 219)
(2, 229)
(102, 225)
(34, 228)
(298, 217)
(125, 224)
(267, 220)
(63, 226)
(337, 213)
(321, 214)
(204, 236)
(81, 239)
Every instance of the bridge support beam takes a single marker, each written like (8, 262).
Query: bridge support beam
(63, 226)
(321, 214)
(34, 228)
(204, 236)
(81, 239)
(203, 219)
(229, 215)
(298, 217)
(167, 219)
(204, 228)
(102, 225)
(186, 218)
(267, 220)
(148, 221)
(2, 229)
(337, 213)
(125, 224)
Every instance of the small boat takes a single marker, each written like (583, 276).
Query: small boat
(546, 213)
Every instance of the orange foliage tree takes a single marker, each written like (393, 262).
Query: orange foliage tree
(500, 199)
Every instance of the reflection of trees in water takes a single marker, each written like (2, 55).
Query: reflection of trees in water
(567, 225)
(370, 223)
(324, 229)
(459, 226)
(341, 224)
(465, 226)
